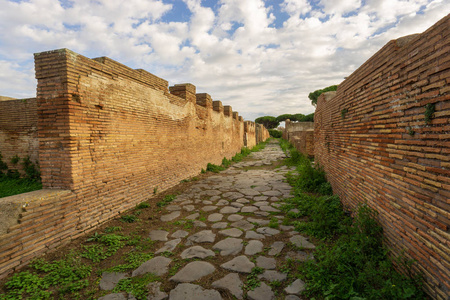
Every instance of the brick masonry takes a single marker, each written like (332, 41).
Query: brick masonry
(376, 147)
(108, 137)
(301, 136)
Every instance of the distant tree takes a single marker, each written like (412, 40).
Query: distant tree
(268, 121)
(308, 118)
(275, 133)
(315, 95)
(284, 117)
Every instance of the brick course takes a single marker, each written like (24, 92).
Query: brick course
(376, 147)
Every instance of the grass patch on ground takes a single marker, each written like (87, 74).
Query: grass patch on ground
(15, 186)
(351, 261)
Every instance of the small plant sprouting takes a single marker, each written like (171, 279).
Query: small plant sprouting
(166, 200)
(252, 279)
(344, 112)
(143, 205)
(430, 108)
(411, 132)
(155, 190)
(15, 159)
(128, 218)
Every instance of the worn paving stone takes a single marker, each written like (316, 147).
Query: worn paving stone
(173, 207)
(207, 202)
(198, 223)
(229, 246)
(115, 296)
(268, 263)
(229, 210)
(262, 213)
(171, 216)
(214, 198)
(204, 236)
(233, 232)
(296, 287)
(250, 234)
(243, 201)
(286, 228)
(210, 193)
(269, 209)
(260, 222)
(243, 224)
(271, 275)
(222, 202)
(189, 207)
(261, 203)
(215, 217)
(249, 209)
(232, 195)
(193, 271)
(239, 264)
(268, 231)
(292, 297)
(263, 292)
(231, 283)
(272, 193)
(253, 247)
(300, 255)
(249, 192)
(237, 205)
(276, 248)
(185, 291)
(193, 216)
(234, 218)
(154, 291)
(109, 280)
(169, 246)
(301, 242)
(157, 266)
(220, 225)
(209, 208)
(159, 235)
(196, 252)
(180, 234)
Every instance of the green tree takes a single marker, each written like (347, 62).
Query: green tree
(315, 95)
(268, 121)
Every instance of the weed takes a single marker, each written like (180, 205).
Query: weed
(94, 238)
(133, 260)
(203, 171)
(252, 279)
(344, 112)
(137, 286)
(155, 190)
(411, 132)
(15, 159)
(226, 163)
(174, 269)
(113, 229)
(188, 224)
(108, 246)
(166, 200)
(273, 223)
(167, 254)
(214, 168)
(128, 218)
(143, 205)
(430, 108)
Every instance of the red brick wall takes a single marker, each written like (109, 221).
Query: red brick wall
(108, 136)
(376, 147)
(301, 136)
(18, 130)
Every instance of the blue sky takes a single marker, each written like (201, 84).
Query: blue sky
(260, 57)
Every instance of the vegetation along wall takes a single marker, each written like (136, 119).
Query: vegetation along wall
(109, 137)
(384, 139)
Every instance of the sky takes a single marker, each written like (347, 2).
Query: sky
(262, 57)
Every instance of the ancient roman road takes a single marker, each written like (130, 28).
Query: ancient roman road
(237, 246)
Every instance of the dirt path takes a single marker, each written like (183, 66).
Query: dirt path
(236, 226)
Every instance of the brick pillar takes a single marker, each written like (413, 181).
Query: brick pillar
(185, 91)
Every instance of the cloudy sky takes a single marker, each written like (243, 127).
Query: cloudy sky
(262, 57)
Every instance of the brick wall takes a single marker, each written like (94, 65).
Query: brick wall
(18, 130)
(301, 136)
(376, 147)
(249, 134)
(261, 133)
(108, 136)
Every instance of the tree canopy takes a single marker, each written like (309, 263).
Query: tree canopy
(315, 95)
(268, 122)
(272, 122)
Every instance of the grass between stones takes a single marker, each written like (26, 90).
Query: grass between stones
(350, 260)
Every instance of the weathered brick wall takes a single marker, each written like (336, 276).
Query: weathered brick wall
(108, 136)
(18, 130)
(249, 134)
(261, 133)
(376, 147)
(301, 136)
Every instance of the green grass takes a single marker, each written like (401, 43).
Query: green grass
(15, 186)
(351, 261)
(166, 200)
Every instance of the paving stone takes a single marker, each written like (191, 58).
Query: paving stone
(214, 198)
(198, 223)
(276, 248)
(249, 209)
(173, 207)
(237, 205)
(188, 207)
(263, 292)
(261, 203)
(215, 217)
(210, 193)
(234, 218)
(209, 208)
(294, 210)
(204, 236)
(233, 232)
(193, 271)
(169, 246)
(296, 287)
(239, 264)
(243, 201)
(262, 213)
(249, 192)
(274, 199)
(250, 234)
(292, 297)
(232, 195)
(180, 234)
(301, 242)
(262, 188)
(267, 263)
(196, 252)
(171, 216)
(267, 231)
(286, 228)
(271, 275)
(185, 291)
(154, 291)
(193, 216)
(109, 280)
(220, 225)
(116, 296)
(186, 202)
(229, 246)
(300, 255)
(158, 235)
(269, 208)
(276, 205)
(260, 222)
(207, 202)
(222, 202)
(260, 198)
(272, 193)
(231, 283)
(229, 210)
(157, 266)
(253, 247)
(243, 224)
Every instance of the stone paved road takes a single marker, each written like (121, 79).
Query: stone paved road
(230, 213)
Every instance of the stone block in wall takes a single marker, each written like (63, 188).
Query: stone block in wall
(217, 106)
(227, 111)
(235, 115)
(204, 100)
(241, 119)
(185, 91)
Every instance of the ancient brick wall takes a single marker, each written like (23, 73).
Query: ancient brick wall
(261, 133)
(18, 130)
(376, 146)
(301, 136)
(109, 136)
(249, 134)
